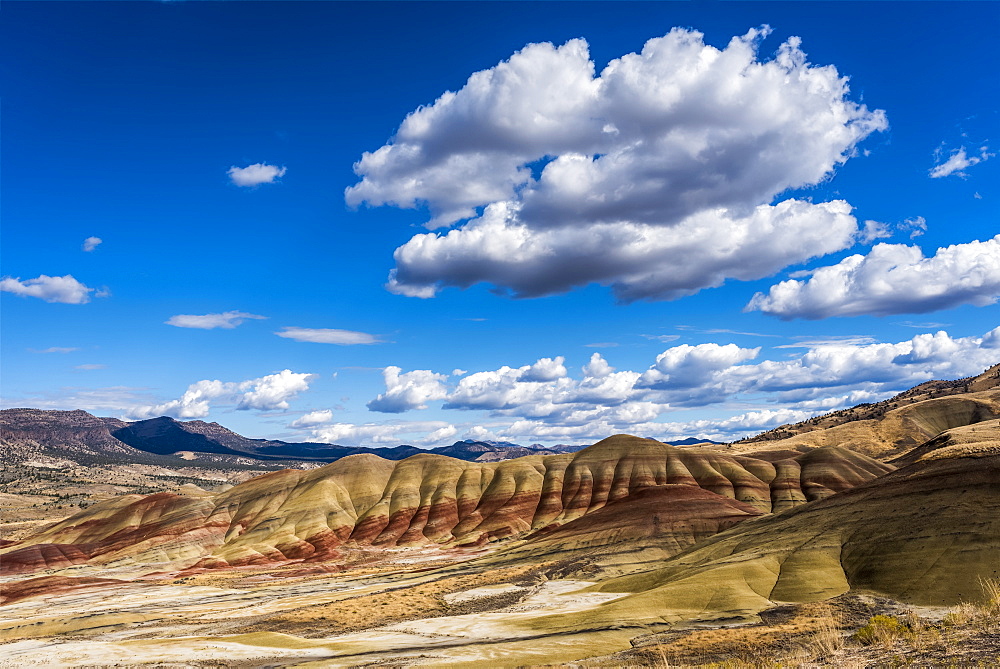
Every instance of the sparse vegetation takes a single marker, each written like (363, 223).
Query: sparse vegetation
(884, 630)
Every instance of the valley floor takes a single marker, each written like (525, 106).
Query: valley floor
(425, 606)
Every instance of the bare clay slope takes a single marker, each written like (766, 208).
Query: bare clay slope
(431, 499)
(925, 534)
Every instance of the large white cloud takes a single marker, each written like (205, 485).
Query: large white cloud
(654, 176)
(638, 261)
(226, 320)
(891, 279)
(411, 390)
(267, 393)
(64, 289)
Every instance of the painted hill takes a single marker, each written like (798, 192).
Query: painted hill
(428, 498)
(927, 534)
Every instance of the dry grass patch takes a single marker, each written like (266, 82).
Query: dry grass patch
(789, 635)
(398, 603)
(968, 635)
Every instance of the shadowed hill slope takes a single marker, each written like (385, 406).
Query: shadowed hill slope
(924, 534)
(365, 500)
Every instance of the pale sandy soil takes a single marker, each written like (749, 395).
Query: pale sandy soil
(104, 627)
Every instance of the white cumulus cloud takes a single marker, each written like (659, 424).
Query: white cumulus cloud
(638, 261)
(421, 433)
(273, 391)
(64, 289)
(227, 320)
(313, 418)
(410, 390)
(328, 336)
(958, 162)
(509, 387)
(254, 175)
(688, 366)
(891, 279)
(546, 369)
(267, 393)
(655, 176)
(91, 243)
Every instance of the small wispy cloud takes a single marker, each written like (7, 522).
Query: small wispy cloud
(691, 328)
(55, 349)
(329, 336)
(916, 226)
(226, 320)
(662, 338)
(924, 326)
(87, 368)
(871, 231)
(958, 162)
(837, 340)
(738, 332)
(91, 243)
(256, 174)
(604, 344)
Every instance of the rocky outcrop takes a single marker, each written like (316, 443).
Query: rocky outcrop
(34, 429)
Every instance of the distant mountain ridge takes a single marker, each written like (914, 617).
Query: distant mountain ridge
(80, 431)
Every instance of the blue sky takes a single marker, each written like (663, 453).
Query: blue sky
(740, 235)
